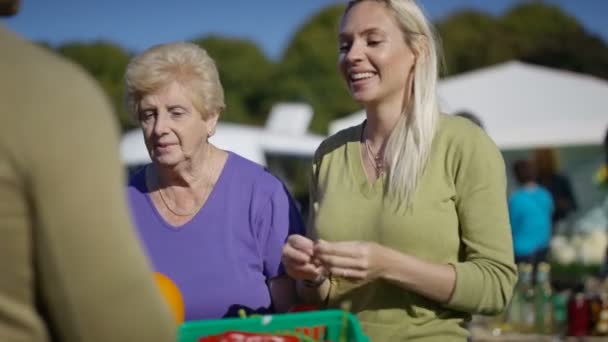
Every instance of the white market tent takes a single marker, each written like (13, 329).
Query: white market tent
(524, 106)
(285, 133)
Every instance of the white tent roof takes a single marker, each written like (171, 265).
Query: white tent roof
(248, 141)
(524, 106)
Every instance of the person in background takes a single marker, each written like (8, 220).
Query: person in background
(468, 115)
(71, 266)
(530, 212)
(409, 220)
(213, 223)
(547, 168)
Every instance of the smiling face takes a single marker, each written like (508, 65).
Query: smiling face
(374, 58)
(174, 130)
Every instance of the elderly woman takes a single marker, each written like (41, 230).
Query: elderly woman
(212, 222)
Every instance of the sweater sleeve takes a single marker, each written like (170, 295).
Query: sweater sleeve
(278, 219)
(486, 272)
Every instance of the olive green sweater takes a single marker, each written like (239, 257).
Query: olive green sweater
(459, 216)
(71, 267)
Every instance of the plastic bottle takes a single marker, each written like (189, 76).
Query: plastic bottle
(543, 304)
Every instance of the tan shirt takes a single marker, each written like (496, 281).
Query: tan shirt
(71, 268)
(459, 216)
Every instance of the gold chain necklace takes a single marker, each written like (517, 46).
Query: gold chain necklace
(175, 212)
(196, 207)
(377, 159)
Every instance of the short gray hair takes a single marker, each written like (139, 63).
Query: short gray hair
(186, 63)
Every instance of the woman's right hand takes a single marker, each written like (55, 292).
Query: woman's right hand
(298, 258)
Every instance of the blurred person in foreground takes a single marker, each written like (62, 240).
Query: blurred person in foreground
(547, 168)
(409, 220)
(71, 266)
(530, 211)
(213, 223)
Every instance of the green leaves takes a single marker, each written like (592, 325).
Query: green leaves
(533, 32)
(106, 62)
(245, 73)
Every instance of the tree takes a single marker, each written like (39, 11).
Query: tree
(106, 62)
(536, 25)
(245, 73)
(533, 32)
(472, 39)
(547, 36)
(307, 71)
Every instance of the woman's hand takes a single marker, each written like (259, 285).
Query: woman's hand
(298, 259)
(359, 261)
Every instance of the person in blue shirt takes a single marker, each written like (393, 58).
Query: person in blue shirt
(530, 210)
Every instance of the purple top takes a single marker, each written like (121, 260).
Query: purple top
(223, 257)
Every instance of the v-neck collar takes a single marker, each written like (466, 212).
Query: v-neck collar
(355, 161)
(200, 211)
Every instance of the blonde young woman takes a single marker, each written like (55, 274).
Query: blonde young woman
(212, 222)
(409, 221)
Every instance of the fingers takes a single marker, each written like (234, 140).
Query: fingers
(349, 273)
(298, 250)
(332, 262)
(348, 249)
(297, 258)
(346, 259)
(301, 243)
(304, 271)
(305, 259)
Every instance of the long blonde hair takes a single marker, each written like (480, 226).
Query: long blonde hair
(409, 145)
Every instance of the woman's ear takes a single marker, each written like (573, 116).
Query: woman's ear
(211, 122)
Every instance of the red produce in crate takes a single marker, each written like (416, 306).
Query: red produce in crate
(237, 336)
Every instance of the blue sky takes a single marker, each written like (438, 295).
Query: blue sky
(137, 24)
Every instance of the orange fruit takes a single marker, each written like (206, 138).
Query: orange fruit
(172, 296)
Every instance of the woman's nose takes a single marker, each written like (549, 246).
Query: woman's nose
(354, 53)
(161, 124)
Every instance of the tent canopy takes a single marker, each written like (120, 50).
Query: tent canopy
(524, 106)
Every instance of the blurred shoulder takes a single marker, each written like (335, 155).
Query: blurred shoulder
(253, 174)
(137, 179)
(39, 72)
(45, 66)
(455, 132)
(460, 129)
(337, 140)
(544, 191)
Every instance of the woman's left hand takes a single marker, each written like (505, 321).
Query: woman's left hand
(359, 261)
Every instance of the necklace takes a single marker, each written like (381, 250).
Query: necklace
(377, 159)
(197, 207)
(175, 212)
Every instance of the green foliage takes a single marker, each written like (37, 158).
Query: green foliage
(547, 36)
(245, 73)
(473, 39)
(538, 25)
(106, 62)
(308, 70)
(532, 32)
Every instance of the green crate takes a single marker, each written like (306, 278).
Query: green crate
(326, 325)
